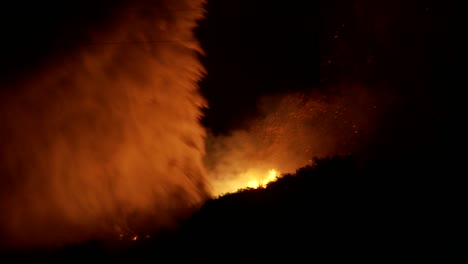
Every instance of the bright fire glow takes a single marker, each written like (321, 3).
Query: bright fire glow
(272, 175)
(251, 179)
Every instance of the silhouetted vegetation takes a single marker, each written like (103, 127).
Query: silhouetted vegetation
(336, 206)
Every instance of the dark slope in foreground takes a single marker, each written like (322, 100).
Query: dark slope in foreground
(338, 206)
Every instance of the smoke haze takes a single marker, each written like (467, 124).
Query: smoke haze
(109, 136)
(292, 130)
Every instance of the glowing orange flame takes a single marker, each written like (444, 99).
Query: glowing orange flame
(272, 175)
(251, 179)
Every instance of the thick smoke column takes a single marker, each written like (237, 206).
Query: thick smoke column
(108, 137)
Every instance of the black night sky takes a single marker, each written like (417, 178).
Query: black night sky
(259, 47)
(262, 47)
(255, 48)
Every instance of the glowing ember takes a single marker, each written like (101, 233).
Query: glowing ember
(135, 237)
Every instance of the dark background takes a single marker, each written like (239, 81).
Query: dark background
(255, 48)
(259, 47)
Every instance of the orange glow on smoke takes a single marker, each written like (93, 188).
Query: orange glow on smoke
(107, 135)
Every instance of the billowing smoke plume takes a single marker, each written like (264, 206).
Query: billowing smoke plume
(293, 130)
(109, 136)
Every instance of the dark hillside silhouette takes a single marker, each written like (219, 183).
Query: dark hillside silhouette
(338, 206)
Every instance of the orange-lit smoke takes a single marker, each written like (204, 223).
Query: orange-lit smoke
(293, 130)
(109, 136)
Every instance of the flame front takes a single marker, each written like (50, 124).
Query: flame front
(272, 175)
(253, 178)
